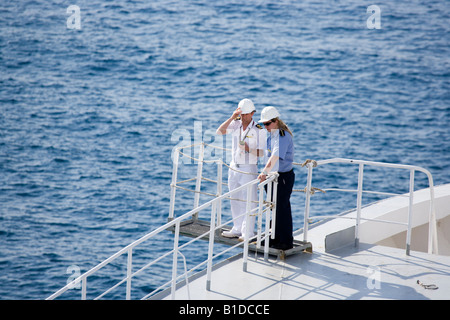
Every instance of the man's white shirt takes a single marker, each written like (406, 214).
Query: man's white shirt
(252, 135)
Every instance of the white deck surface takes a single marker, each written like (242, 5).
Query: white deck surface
(372, 272)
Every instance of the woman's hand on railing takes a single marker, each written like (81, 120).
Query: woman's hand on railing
(262, 177)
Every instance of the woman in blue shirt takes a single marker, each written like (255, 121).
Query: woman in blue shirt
(280, 155)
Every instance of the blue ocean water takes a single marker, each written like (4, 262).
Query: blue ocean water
(89, 116)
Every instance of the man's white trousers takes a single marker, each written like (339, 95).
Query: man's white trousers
(238, 208)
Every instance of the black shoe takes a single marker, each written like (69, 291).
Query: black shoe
(282, 246)
(272, 243)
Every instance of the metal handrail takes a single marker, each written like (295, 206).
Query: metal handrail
(216, 224)
(271, 180)
(432, 234)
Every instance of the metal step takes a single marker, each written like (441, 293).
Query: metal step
(195, 227)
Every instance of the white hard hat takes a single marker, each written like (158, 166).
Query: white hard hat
(269, 113)
(246, 106)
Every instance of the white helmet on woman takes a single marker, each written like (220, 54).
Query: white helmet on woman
(269, 113)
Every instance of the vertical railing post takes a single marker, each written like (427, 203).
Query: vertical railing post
(219, 191)
(307, 202)
(186, 278)
(211, 246)
(274, 184)
(358, 202)
(432, 229)
(129, 272)
(173, 185)
(83, 288)
(198, 181)
(260, 218)
(247, 226)
(269, 201)
(410, 211)
(267, 231)
(175, 259)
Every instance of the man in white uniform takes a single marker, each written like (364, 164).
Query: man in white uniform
(248, 143)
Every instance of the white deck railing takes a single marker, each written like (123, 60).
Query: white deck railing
(267, 206)
(432, 234)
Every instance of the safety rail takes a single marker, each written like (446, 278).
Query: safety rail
(268, 206)
(432, 234)
(175, 184)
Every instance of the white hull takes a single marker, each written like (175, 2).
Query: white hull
(340, 232)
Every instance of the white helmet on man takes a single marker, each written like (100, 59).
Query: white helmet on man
(269, 113)
(246, 106)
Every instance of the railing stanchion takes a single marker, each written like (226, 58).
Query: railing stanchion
(358, 202)
(307, 202)
(246, 236)
(267, 225)
(211, 246)
(219, 191)
(260, 218)
(198, 182)
(129, 273)
(175, 259)
(274, 205)
(173, 185)
(83, 288)
(410, 211)
(269, 201)
(432, 228)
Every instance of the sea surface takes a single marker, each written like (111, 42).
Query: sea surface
(90, 115)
